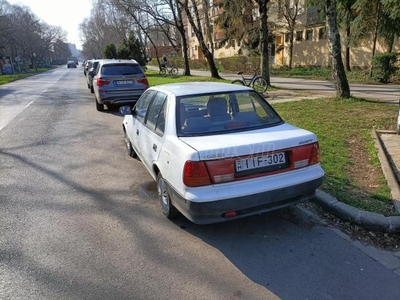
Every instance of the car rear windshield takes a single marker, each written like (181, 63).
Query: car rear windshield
(219, 113)
(121, 69)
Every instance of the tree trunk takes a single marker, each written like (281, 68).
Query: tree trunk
(185, 47)
(291, 38)
(264, 64)
(347, 57)
(199, 34)
(375, 37)
(335, 49)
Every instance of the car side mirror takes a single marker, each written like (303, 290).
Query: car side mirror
(125, 110)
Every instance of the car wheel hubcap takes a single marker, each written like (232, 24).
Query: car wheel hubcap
(162, 194)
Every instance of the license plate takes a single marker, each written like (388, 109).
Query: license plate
(260, 161)
(124, 82)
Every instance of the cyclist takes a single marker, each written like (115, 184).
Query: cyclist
(164, 61)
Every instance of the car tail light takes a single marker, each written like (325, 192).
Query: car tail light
(101, 82)
(195, 173)
(143, 80)
(314, 157)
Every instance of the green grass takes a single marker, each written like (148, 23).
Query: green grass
(155, 79)
(353, 76)
(347, 149)
(9, 78)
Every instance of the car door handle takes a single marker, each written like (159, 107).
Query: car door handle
(154, 147)
(137, 132)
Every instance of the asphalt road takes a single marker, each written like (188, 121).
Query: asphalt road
(79, 219)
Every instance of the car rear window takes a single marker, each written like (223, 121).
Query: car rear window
(223, 112)
(121, 69)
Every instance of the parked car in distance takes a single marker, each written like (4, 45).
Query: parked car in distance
(91, 71)
(117, 82)
(219, 151)
(71, 64)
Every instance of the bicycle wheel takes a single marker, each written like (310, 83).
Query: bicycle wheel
(174, 71)
(163, 72)
(260, 85)
(238, 82)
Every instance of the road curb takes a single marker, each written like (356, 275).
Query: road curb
(360, 217)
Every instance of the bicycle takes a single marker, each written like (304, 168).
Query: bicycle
(172, 71)
(258, 83)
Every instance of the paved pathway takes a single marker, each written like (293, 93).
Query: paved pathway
(392, 145)
(389, 93)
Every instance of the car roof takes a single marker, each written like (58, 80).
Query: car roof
(105, 61)
(193, 88)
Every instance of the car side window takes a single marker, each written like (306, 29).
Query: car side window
(143, 104)
(156, 110)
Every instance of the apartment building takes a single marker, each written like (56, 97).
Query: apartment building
(310, 45)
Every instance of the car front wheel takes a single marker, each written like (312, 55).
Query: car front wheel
(167, 208)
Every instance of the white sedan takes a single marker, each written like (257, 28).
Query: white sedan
(219, 151)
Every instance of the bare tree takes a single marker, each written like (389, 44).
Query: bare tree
(264, 49)
(192, 13)
(105, 25)
(335, 50)
(290, 13)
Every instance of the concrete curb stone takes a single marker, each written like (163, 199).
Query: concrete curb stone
(362, 218)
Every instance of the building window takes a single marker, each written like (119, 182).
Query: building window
(299, 36)
(195, 47)
(322, 33)
(309, 35)
(238, 43)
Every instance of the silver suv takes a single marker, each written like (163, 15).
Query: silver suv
(118, 82)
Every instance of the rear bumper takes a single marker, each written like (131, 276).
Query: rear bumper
(126, 99)
(213, 211)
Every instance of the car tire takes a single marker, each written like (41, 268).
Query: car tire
(99, 107)
(88, 86)
(165, 200)
(91, 89)
(129, 147)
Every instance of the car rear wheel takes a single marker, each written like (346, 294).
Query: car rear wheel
(91, 89)
(99, 107)
(167, 208)
(129, 147)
